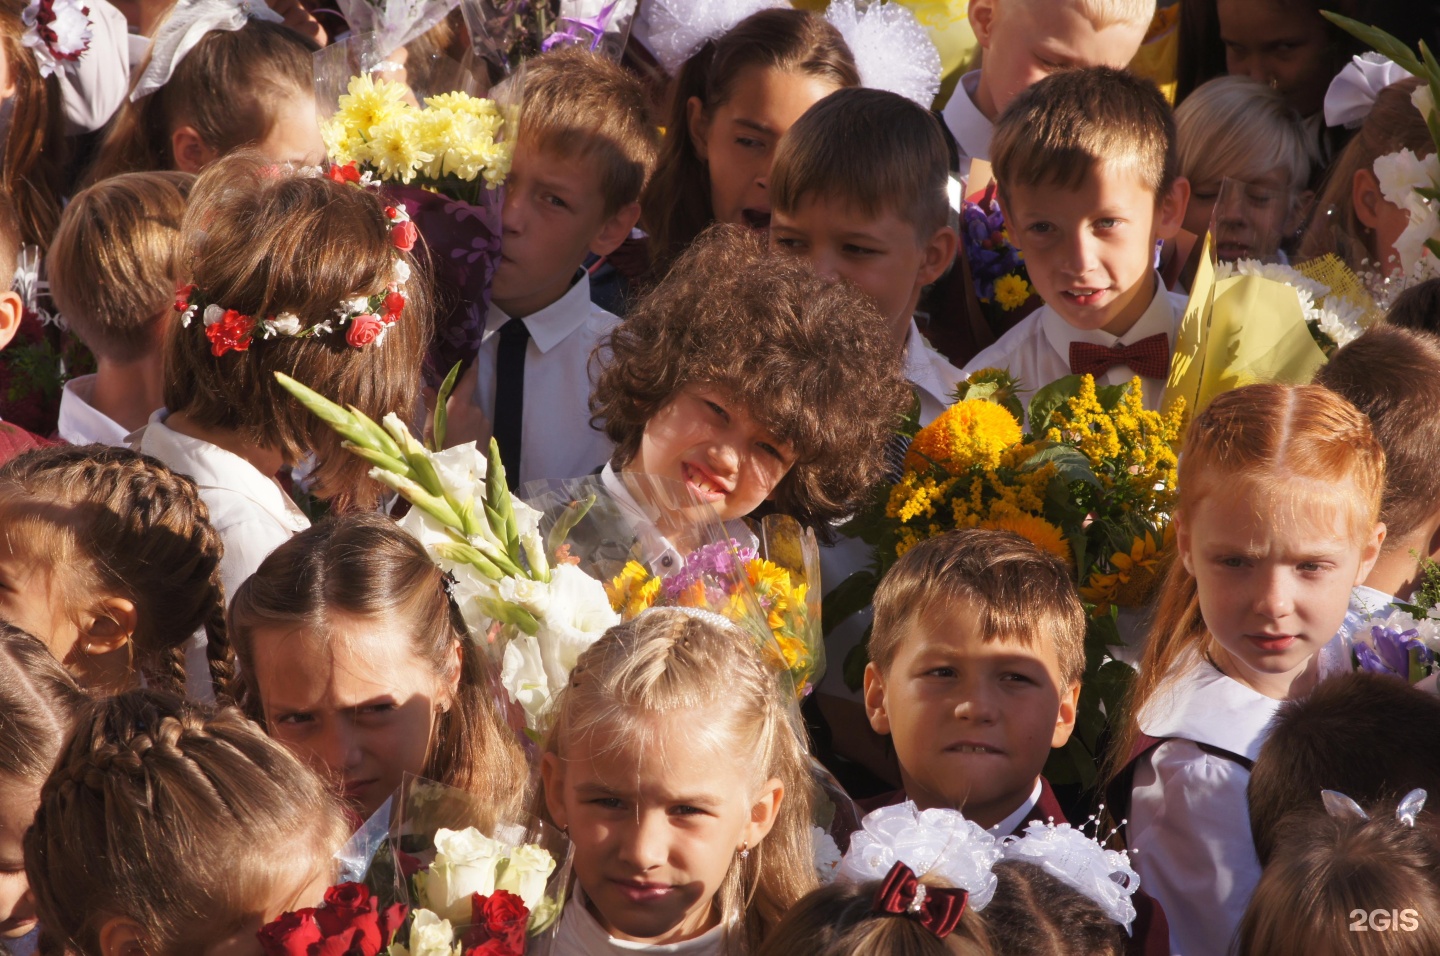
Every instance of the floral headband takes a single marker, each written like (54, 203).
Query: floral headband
(57, 32)
(366, 318)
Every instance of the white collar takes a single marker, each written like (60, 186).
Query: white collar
(659, 555)
(1022, 815)
(551, 325)
(1368, 601)
(925, 368)
(972, 131)
(1158, 318)
(1203, 705)
(81, 420)
(211, 466)
(578, 925)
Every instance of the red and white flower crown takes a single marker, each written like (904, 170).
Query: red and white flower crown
(365, 318)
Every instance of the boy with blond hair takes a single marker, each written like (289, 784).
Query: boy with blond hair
(584, 151)
(1025, 41)
(1088, 181)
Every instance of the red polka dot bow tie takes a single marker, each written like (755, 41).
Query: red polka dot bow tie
(1148, 358)
(902, 894)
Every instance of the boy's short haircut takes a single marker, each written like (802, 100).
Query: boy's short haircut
(580, 105)
(113, 262)
(1418, 308)
(1057, 130)
(809, 360)
(1237, 127)
(871, 149)
(1100, 13)
(1361, 734)
(1393, 376)
(11, 237)
(1016, 592)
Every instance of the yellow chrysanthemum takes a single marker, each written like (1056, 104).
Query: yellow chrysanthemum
(1036, 530)
(369, 103)
(395, 148)
(965, 434)
(1012, 291)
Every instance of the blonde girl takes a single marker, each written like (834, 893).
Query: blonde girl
(679, 773)
(109, 558)
(353, 656)
(283, 272)
(170, 829)
(730, 104)
(38, 705)
(1277, 519)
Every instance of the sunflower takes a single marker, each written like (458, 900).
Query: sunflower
(974, 432)
(1034, 529)
(1133, 576)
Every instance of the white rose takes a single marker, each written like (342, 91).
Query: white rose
(286, 323)
(213, 314)
(522, 674)
(401, 273)
(465, 863)
(525, 873)
(358, 305)
(429, 936)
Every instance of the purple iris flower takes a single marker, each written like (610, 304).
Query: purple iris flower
(1390, 651)
(578, 30)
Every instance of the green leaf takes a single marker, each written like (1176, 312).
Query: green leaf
(378, 459)
(1046, 400)
(850, 596)
(465, 554)
(1110, 396)
(1070, 463)
(855, 663)
(1380, 41)
(437, 432)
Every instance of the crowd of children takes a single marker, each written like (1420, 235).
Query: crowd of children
(738, 264)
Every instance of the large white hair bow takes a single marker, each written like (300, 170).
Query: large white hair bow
(186, 26)
(933, 843)
(679, 28)
(1352, 93)
(1103, 876)
(892, 51)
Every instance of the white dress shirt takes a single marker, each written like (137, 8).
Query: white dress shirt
(1037, 351)
(1021, 815)
(656, 551)
(967, 124)
(82, 423)
(248, 509)
(1189, 825)
(580, 934)
(556, 440)
(935, 381)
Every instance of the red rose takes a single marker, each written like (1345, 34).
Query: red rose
(350, 906)
(290, 935)
(363, 330)
(403, 235)
(182, 296)
(231, 333)
(394, 303)
(495, 947)
(409, 865)
(344, 174)
(503, 916)
(349, 897)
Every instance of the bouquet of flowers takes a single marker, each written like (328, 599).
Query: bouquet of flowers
(351, 921)
(1334, 315)
(1092, 481)
(781, 571)
(505, 33)
(996, 266)
(534, 610)
(1401, 641)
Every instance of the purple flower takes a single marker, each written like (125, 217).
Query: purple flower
(721, 559)
(1391, 651)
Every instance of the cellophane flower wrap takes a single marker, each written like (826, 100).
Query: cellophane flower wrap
(506, 33)
(1086, 473)
(531, 609)
(1406, 180)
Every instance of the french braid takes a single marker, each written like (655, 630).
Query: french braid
(121, 523)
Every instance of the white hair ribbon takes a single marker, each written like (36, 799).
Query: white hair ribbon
(892, 51)
(677, 29)
(1103, 876)
(1352, 93)
(939, 843)
(186, 26)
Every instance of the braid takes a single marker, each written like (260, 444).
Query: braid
(147, 536)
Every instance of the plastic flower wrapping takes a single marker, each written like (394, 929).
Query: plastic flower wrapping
(1406, 180)
(1086, 473)
(1333, 316)
(1402, 642)
(506, 33)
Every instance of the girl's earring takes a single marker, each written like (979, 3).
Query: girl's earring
(745, 851)
(565, 829)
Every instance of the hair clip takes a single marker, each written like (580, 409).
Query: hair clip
(938, 909)
(1081, 862)
(1342, 807)
(447, 584)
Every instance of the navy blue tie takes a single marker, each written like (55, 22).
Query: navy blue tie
(510, 396)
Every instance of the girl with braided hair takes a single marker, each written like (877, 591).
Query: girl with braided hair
(109, 558)
(38, 705)
(169, 828)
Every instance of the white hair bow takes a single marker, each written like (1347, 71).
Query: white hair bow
(1352, 93)
(1103, 876)
(186, 26)
(892, 51)
(940, 843)
(679, 28)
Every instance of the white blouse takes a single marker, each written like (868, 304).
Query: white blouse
(580, 934)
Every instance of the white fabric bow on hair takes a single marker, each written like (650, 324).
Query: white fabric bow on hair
(1352, 93)
(1103, 876)
(892, 51)
(186, 26)
(677, 29)
(938, 843)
